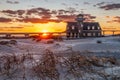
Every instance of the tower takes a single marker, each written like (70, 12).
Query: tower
(80, 19)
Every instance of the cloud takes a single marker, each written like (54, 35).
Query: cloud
(86, 3)
(20, 12)
(43, 15)
(64, 4)
(46, 0)
(76, 4)
(89, 18)
(39, 11)
(12, 2)
(100, 4)
(110, 6)
(31, 5)
(37, 20)
(115, 19)
(62, 11)
(71, 10)
(9, 11)
(12, 13)
(66, 18)
(2, 19)
(12, 27)
(107, 16)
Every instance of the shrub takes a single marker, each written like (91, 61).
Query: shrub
(50, 41)
(14, 42)
(99, 41)
(4, 42)
(46, 67)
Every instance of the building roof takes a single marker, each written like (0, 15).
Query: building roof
(85, 23)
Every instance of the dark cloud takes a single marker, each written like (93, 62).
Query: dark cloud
(54, 12)
(32, 20)
(100, 4)
(31, 6)
(37, 20)
(110, 6)
(89, 18)
(71, 10)
(86, 3)
(12, 2)
(46, 0)
(2, 19)
(39, 11)
(20, 12)
(43, 15)
(64, 4)
(12, 27)
(115, 19)
(62, 11)
(66, 18)
(76, 4)
(9, 11)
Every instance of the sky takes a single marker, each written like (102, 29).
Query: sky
(53, 15)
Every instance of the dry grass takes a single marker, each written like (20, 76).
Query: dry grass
(50, 67)
(46, 67)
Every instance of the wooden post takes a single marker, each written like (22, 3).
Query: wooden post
(103, 33)
(113, 32)
(26, 35)
(8, 35)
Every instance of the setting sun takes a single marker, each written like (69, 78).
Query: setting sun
(44, 31)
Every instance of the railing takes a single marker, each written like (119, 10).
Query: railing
(9, 34)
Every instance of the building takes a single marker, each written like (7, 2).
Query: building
(79, 28)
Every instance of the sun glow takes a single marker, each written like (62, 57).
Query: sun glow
(44, 31)
(45, 36)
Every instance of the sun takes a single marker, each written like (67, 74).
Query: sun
(45, 34)
(44, 31)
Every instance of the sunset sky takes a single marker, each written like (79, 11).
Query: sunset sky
(52, 15)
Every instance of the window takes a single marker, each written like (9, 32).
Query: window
(98, 27)
(93, 34)
(84, 34)
(88, 27)
(99, 34)
(73, 27)
(88, 34)
(81, 25)
(93, 27)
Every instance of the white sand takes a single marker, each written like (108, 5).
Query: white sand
(111, 44)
